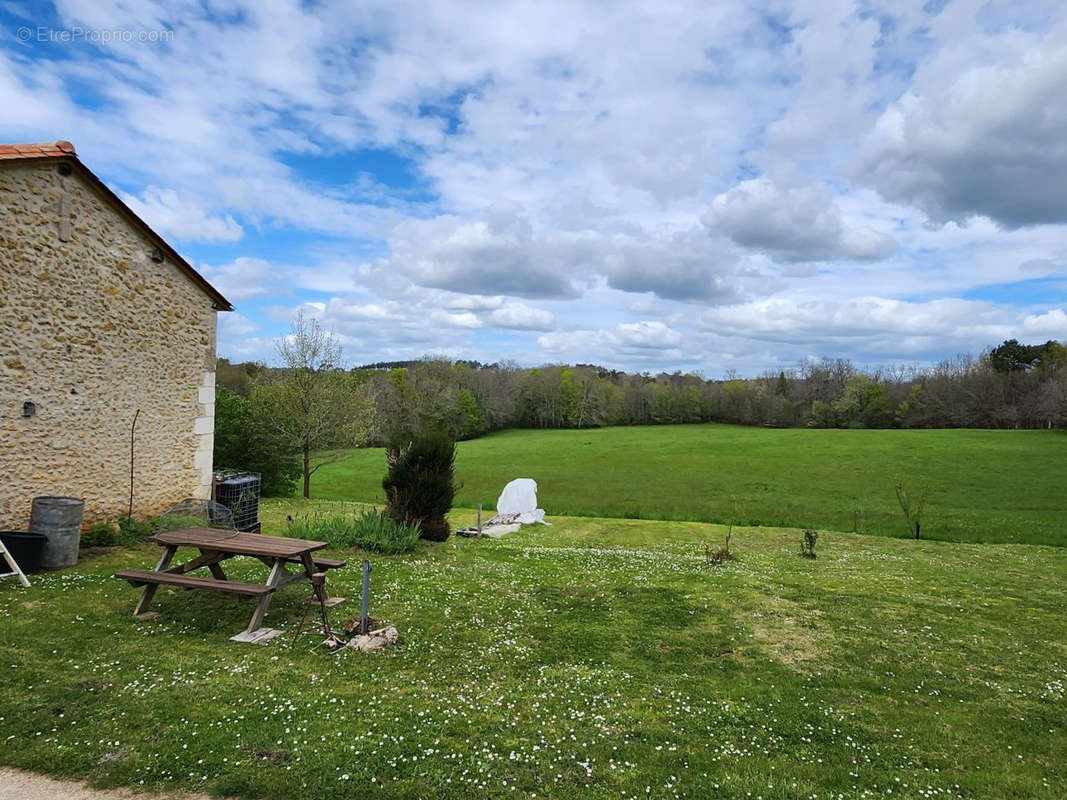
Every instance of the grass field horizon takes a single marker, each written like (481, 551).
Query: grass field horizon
(986, 485)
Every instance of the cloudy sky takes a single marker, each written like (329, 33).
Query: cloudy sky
(712, 186)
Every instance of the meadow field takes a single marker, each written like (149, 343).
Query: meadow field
(596, 658)
(985, 485)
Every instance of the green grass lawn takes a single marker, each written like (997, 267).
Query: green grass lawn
(595, 658)
(987, 486)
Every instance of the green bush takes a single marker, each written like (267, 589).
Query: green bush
(420, 485)
(100, 534)
(131, 531)
(243, 442)
(375, 531)
(370, 530)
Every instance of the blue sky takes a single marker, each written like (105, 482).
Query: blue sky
(716, 187)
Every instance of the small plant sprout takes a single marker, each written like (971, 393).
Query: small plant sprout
(807, 543)
(712, 556)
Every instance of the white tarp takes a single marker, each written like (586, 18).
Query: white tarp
(520, 498)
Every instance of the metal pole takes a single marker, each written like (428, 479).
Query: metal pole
(366, 599)
(133, 429)
(479, 519)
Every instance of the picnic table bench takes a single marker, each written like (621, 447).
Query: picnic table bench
(216, 546)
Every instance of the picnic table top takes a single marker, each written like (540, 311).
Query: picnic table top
(251, 544)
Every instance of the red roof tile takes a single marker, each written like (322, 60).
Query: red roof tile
(41, 150)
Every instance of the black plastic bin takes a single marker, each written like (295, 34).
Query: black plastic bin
(26, 548)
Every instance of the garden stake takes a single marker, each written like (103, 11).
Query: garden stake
(133, 429)
(365, 600)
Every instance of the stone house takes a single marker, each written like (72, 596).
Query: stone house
(100, 321)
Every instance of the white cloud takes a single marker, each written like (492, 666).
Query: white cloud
(686, 265)
(461, 320)
(341, 309)
(793, 224)
(243, 278)
(1051, 324)
(469, 302)
(641, 340)
(984, 137)
(181, 217)
(876, 323)
(233, 326)
(522, 317)
(504, 255)
(494, 256)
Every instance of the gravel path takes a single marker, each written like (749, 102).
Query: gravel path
(18, 785)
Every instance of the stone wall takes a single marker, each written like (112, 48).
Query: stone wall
(91, 330)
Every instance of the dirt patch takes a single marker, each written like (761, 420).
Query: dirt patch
(789, 632)
(275, 756)
(16, 784)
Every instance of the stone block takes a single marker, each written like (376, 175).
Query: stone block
(202, 461)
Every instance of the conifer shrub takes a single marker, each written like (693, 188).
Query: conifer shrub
(420, 484)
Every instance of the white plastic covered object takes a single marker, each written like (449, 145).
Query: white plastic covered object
(520, 497)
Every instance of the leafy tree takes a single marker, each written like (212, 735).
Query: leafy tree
(311, 404)
(864, 404)
(1053, 357)
(244, 442)
(471, 420)
(822, 415)
(783, 414)
(1011, 356)
(781, 388)
(238, 378)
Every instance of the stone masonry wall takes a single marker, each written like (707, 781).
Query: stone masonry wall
(91, 330)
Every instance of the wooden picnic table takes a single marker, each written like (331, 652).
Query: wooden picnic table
(216, 546)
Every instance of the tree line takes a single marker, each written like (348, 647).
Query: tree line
(314, 405)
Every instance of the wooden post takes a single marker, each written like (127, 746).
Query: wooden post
(276, 573)
(479, 519)
(150, 588)
(366, 599)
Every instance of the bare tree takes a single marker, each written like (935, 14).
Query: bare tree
(912, 505)
(313, 403)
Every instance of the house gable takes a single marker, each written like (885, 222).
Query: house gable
(62, 156)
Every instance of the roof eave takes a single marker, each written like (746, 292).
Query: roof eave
(219, 303)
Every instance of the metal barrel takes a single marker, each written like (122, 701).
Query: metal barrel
(59, 519)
